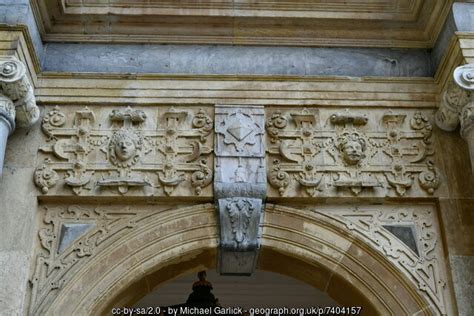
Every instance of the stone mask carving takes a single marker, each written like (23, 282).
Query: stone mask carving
(124, 148)
(352, 146)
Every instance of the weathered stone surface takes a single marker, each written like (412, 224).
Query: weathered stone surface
(70, 232)
(246, 60)
(17, 210)
(463, 277)
(13, 274)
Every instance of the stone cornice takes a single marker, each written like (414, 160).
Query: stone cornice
(412, 24)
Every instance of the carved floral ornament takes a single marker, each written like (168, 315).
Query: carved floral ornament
(129, 153)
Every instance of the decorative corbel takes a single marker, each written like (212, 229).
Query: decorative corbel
(239, 185)
(17, 100)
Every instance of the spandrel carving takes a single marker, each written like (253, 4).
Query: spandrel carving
(70, 235)
(422, 261)
(155, 151)
(316, 152)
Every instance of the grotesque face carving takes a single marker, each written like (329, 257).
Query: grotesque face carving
(352, 147)
(124, 148)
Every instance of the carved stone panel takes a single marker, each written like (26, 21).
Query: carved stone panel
(327, 152)
(152, 151)
(409, 236)
(69, 236)
(239, 131)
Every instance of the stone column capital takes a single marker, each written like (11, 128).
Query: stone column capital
(15, 85)
(457, 95)
(457, 106)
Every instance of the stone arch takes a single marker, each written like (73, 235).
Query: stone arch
(297, 243)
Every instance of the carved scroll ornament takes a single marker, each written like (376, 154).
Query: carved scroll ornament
(125, 152)
(343, 154)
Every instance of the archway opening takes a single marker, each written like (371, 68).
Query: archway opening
(261, 289)
(306, 246)
(322, 287)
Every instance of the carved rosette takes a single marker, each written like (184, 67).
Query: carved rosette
(317, 153)
(129, 152)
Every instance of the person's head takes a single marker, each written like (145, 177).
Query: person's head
(202, 275)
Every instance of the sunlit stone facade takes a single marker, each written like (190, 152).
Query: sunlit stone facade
(145, 140)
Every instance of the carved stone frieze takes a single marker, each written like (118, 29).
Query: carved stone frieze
(239, 185)
(322, 153)
(408, 236)
(151, 152)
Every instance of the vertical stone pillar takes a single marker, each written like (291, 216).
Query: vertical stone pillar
(239, 185)
(17, 196)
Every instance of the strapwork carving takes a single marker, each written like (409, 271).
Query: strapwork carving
(342, 152)
(128, 150)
